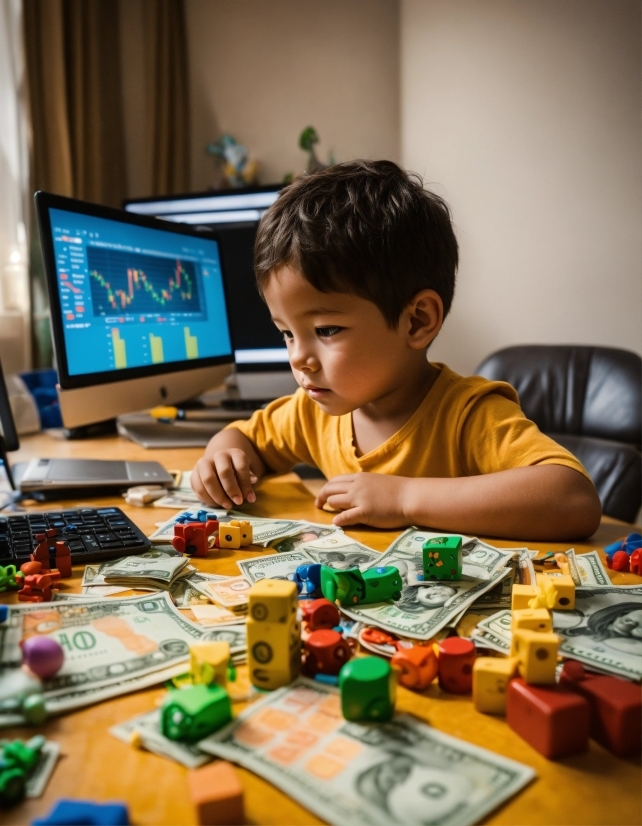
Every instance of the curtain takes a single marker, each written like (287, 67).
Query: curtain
(168, 134)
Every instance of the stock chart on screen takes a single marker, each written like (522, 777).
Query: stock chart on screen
(133, 296)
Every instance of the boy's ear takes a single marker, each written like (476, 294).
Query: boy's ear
(423, 318)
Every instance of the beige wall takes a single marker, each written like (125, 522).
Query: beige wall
(263, 70)
(525, 116)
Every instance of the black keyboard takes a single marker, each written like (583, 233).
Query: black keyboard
(91, 533)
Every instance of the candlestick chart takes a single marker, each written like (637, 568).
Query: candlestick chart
(126, 282)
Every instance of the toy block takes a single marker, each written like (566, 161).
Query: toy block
(63, 559)
(325, 652)
(417, 666)
(209, 662)
(455, 665)
(36, 588)
(529, 619)
(552, 719)
(66, 812)
(217, 794)
(4, 614)
(273, 600)
(442, 558)
(192, 537)
(273, 652)
(521, 595)
(368, 690)
(352, 587)
(536, 652)
(320, 613)
(491, 676)
(558, 592)
(190, 714)
(229, 536)
(616, 707)
(635, 562)
(307, 579)
(246, 531)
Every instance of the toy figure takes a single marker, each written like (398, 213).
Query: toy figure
(352, 587)
(239, 169)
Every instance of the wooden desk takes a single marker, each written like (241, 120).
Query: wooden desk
(592, 788)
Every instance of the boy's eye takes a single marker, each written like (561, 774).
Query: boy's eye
(328, 332)
(286, 334)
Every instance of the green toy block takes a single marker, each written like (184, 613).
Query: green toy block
(351, 587)
(190, 714)
(442, 558)
(10, 578)
(368, 689)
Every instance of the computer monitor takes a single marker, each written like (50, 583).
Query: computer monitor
(261, 358)
(138, 309)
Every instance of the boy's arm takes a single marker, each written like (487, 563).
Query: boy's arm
(541, 502)
(224, 475)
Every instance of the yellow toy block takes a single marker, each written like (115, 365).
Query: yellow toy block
(491, 676)
(521, 594)
(529, 619)
(536, 653)
(229, 536)
(273, 600)
(208, 662)
(246, 531)
(559, 591)
(273, 652)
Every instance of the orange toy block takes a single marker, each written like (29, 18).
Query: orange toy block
(217, 794)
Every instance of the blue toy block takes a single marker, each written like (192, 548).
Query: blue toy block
(4, 613)
(85, 813)
(631, 543)
(307, 579)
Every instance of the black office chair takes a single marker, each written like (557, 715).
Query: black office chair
(589, 400)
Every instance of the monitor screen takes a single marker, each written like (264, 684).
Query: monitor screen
(234, 216)
(136, 298)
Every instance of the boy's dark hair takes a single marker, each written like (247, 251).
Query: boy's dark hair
(364, 227)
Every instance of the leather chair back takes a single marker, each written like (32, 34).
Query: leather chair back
(589, 399)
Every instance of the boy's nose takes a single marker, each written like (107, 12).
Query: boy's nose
(301, 358)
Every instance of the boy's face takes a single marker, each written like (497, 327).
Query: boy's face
(342, 352)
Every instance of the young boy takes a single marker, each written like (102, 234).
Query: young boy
(357, 266)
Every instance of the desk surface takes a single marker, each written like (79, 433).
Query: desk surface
(592, 788)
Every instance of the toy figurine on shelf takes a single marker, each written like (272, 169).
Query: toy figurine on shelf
(239, 168)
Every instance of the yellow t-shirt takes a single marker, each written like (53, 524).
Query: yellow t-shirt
(463, 427)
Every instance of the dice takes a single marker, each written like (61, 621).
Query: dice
(491, 676)
(442, 558)
(217, 794)
(417, 666)
(320, 613)
(325, 652)
(536, 653)
(368, 690)
(455, 665)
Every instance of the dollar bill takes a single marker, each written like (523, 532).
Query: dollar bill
(94, 591)
(231, 593)
(147, 727)
(424, 609)
(586, 570)
(479, 559)
(213, 615)
(494, 632)
(39, 776)
(105, 641)
(401, 772)
(310, 532)
(340, 551)
(192, 589)
(604, 630)
(274, 566)
(179, 500)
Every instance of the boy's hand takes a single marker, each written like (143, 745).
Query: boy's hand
(365, 498)
(224, 478)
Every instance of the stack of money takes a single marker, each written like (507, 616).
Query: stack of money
(145, 572)
(230, 593)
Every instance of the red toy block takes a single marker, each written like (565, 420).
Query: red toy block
(417, 665)
(36, 588)
(635, 562)
(552, 719)
(41, 551)
(31, 567)
(616, 707)
(320, 613)
(619, 561)
(192, 537)
(217, 794)
(63, 559)
(325, 652)
(455, 663)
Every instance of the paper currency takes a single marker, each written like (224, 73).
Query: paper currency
(191, 589)
(147, 726)
(402, 772)
(105, 641)
(340, 551)
(310, 532)
(179, 500)
(604, 630)
(424, 609)
(213, 615)
(137, 572)
(587, 570)
(494, 632)
(39, 776)
(274, 566)
(231, 593)
(94, 591)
